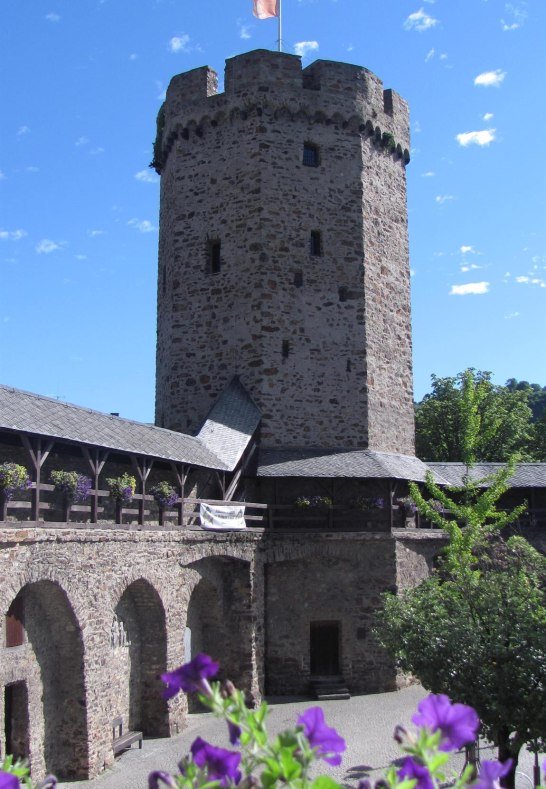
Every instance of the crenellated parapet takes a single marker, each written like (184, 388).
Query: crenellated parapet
(274, 84)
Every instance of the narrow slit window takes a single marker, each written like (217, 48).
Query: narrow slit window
(298, 279)
(343, 292)
(315, 243)
(311, 155)
(285, 349)
(215, 259)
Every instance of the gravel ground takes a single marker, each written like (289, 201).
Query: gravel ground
(366, 722)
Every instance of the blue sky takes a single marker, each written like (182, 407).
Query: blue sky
(82, 81)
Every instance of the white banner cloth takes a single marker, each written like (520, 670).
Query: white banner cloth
(223, 518)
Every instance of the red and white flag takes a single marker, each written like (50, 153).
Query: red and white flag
(264, 9)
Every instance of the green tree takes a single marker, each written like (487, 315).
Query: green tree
(476, 629)
(480, 638)
(504, 412)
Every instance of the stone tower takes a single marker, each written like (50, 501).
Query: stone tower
(283, 252)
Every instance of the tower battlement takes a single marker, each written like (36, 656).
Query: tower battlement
(324, 92)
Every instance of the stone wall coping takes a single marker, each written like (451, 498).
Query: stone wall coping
(59, 532)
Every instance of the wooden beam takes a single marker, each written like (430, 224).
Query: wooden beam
(96, 460)
(39, 452)
(181, 472)
(143, 467)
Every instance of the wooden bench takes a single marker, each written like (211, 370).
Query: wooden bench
(121, 741)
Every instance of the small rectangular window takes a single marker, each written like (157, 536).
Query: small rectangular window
(298, 279)
(15, 630)
(310, 155)
(285, 349)
(215, 260)
(315, 243)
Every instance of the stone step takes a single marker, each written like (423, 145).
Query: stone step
(329, 688)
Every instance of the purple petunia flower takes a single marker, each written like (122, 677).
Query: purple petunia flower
(8, 781)
(457, 722)
(157, 777)
(191, 676)
(327, 742)
(221, 765)
(234, 733)
(413, 770)
(490, 773)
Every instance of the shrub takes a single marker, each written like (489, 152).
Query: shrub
(122, 489)
(13, 477)
(76, 487)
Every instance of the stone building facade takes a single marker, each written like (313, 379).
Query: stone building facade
(106, 612)
(283, 252)
(283, 373)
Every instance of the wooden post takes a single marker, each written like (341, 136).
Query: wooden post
(391, 512)
(96, 460)
(181, 474)
(143, 471)
(3, 506)
(38, 455)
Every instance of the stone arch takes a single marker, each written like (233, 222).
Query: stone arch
(54, 646)
(220, 618)
(138, 643)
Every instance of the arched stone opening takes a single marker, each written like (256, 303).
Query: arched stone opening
(53, 643)
(220, 621)
(138, 642)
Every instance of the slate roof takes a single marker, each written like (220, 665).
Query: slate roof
(363, 463)
(527, 475)
(230, 424)
(31, 413)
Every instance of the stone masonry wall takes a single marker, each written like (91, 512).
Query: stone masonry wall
(82, 670)
(322, 342)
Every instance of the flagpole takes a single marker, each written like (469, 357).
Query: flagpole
(280, 24)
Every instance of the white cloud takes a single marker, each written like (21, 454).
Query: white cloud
(511, 315)
(430, 55)
(488, 116)
(466, 249)
(46, 246)
(96, 151)
(2, 175)
(416, 127)
(51, 17)
(443, 56)
(22, 130)
(470, 267)
(95, 233)
(12, 235)
(133, 56)
(420, 21)
(80, 257)
(428, 174)
(531, 281)
(490, 79)
(179, 43)
(480, 138)
(471, 288)
(302, 48)
(516, 16)
(441, 199)
(146, 176)
(81, 141)
(143, 226)
(244, 30)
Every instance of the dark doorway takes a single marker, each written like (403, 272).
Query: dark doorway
(16, 718)
(325, 649)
